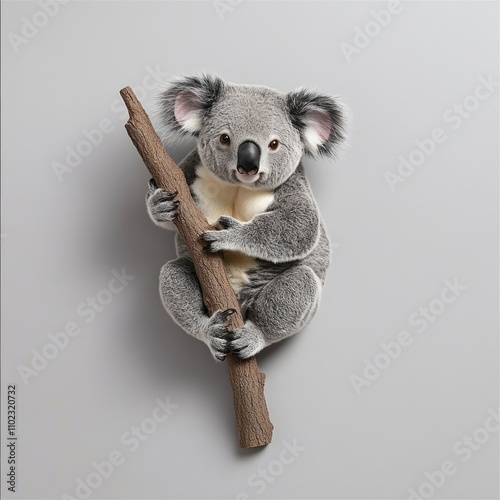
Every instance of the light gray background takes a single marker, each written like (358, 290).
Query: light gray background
(393, 251)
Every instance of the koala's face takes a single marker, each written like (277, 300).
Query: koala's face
(252, 135)
(248, 138)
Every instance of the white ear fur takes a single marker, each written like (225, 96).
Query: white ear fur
(317, 130)
(188, 112)
(320, 119)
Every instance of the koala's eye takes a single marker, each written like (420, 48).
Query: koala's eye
(225, 139)
(273, 145)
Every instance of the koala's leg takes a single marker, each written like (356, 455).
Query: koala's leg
(181, 295)
(283, 307)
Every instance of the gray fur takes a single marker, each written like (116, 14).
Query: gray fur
(287, 239)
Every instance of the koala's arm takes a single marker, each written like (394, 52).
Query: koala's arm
(288, 231)
(159, 203)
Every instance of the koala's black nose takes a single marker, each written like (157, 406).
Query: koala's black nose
(248, 158)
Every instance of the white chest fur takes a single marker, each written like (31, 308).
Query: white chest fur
(216, 198)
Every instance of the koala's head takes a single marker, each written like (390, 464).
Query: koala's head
(252, 135)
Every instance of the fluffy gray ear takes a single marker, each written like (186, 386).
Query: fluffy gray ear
(187, 101)
(320, 120)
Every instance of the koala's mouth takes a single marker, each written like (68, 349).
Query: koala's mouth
(247, 177)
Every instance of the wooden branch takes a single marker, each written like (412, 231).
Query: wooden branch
(252, 417)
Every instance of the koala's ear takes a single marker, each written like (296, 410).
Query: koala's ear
(187, 101)
(320, 119)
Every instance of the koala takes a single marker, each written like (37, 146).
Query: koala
(247, 178)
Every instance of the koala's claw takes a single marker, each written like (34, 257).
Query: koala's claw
(210, 240)
(165, 196)
(212, 248)
(229, 312)
(221, 316)
(246, 342)
(160, 204)
(229, 237)
(217, 334)
(152, 186)
(209, 236)
(216, 241)
(227, 222)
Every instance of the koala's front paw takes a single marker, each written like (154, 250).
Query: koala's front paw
(226, 238)
(247, 341)
(161, 208)
(217, 333)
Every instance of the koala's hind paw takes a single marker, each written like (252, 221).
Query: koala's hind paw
(247, 341)
(217, 333)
